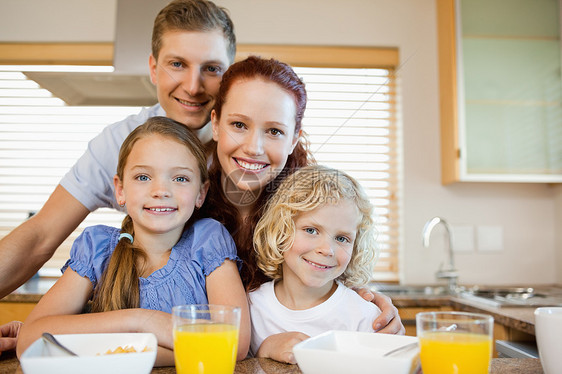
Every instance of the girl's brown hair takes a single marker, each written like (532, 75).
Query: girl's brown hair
(119, 285)
(217, 205)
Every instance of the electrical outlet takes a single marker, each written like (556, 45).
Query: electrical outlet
(490, 238)
(463, 238)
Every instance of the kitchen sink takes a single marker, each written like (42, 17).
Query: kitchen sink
(512, 296)
(405, 290)
(487, 295)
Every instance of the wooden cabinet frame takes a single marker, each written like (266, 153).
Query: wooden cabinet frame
(448, 95)
(102, 54)
(451, 168)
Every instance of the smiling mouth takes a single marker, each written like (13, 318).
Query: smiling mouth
(250, 165)
(191, 103)
(161, 210)
(316, 265)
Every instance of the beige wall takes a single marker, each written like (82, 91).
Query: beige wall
(528, 213)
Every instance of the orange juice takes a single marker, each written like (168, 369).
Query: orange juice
(455, 352)
(208, 348)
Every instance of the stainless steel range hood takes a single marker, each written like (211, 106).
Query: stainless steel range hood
(129, 83)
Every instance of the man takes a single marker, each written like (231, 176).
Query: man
(193, 43)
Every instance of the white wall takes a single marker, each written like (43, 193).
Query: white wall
(57, 20)
(527, 213)
(558, 233)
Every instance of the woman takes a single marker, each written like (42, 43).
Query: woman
(257, 129)
(257, 122)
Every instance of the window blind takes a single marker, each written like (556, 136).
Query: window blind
(350, 121)
(40, 139)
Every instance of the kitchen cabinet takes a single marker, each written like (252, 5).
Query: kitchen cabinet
(500, 90)
(503, 329)
(14, 311)
(408, 315)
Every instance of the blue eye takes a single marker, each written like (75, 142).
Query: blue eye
(142, 178)
(214, 69)
(343, 239)
(177, 64)
(181, 179)
(310, 230)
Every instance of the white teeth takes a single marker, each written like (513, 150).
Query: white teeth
(317, 265)
(161, 209)
(247, 165)
(189, 103)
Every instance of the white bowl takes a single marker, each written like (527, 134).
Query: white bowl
(43, 358)
(355, 352)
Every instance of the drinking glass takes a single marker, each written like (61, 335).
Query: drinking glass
(455, 342)
(205, 338)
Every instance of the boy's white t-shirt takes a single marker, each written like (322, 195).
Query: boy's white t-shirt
(90, 180)
(344, 310)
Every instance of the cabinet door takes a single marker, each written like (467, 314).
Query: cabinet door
(14, 311)
(408, 316)
(500, 82)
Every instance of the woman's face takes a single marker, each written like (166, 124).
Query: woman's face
(255, 135)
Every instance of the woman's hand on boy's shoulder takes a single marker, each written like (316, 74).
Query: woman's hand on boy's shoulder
(279, 347)
(388, 322)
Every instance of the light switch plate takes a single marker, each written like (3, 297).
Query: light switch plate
(490, 238)
(463, 238)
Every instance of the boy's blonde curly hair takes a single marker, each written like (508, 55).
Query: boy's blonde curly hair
(307, 189)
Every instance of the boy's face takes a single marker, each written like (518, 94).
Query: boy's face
(322, 247)
(188, 73)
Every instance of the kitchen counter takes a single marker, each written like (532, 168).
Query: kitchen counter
(519, 318)
(9, 364)
(31, 291)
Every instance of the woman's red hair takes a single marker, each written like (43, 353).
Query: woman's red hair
(217, 205)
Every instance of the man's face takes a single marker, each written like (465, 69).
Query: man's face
(188, 73)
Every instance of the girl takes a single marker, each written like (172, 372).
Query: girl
(161, 257)
(316, 238)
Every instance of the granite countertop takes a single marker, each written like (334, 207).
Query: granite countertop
(9, 364)
(520, 318)
(31, 291)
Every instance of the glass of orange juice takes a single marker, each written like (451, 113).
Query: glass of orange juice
(205, 338)
(455, 342)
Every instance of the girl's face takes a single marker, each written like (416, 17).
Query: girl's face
(323, 245)
(161, 185)
(255, 134)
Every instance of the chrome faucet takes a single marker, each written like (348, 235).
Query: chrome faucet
(445, 272)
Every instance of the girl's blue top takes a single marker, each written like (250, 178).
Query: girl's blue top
(201, 249)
